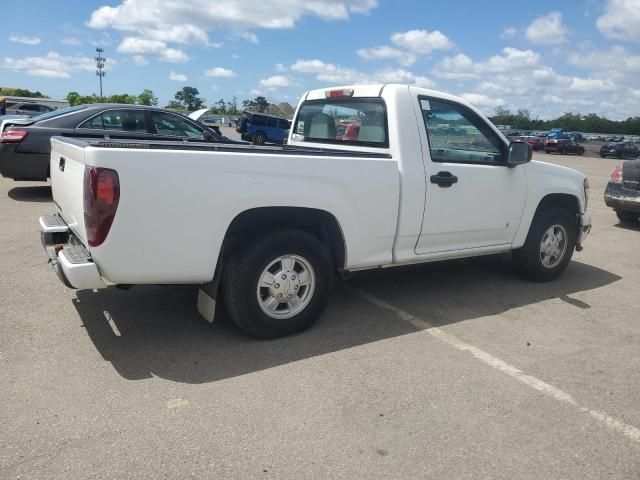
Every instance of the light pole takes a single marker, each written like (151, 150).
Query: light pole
(100, 66)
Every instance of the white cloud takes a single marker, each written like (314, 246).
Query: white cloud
(158, 48)
(408, 46)
(52, 65)
(421, 41)
(616, 62)
(509, 32)
(255, 92)
(336, 74)
(280, 67)
(386, 52)
(547, 30)
(275, 81)
(482, 101)
(190, 21)
(73, 41)
(461, 67)
(620, 20)
(178, 77)
(24, 39)
(140, 60)
(249, 37)
(219, 72)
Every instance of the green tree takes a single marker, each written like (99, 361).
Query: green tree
(258, 104)
(232, 106)
(72, 98)
(147, 98)
(220, 106)
(20, 92)
(121, 98)
(188, 98)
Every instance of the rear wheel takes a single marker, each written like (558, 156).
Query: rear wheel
(259, 138)
(627, 216)
(603, 156)
(549, 245)
(278, 285)
(581, 151)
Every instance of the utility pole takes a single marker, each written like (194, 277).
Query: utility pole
(100, 66)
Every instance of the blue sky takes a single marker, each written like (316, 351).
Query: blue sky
(546, 56)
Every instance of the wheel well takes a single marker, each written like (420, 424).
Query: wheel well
(560, 200)
(319, 223)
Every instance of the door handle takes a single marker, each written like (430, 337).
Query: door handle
(444, 179)
(61, 164)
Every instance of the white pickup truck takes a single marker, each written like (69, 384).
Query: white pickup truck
(373, 176)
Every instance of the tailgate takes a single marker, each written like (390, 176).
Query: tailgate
(67, 179)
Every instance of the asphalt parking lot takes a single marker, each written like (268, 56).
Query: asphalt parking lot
(450, 370)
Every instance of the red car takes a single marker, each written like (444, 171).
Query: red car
(347, 131)
(537, 143)
(563, 146)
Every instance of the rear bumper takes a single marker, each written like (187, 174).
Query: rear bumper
(620, 198)
(22, 166)
(68, 256)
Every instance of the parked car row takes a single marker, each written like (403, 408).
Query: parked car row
(619, 150)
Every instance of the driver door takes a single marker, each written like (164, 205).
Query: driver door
(474, 200)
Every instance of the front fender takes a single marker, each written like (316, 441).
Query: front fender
(544, 179)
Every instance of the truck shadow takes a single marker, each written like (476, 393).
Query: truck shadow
(159, 333)
(34, 194)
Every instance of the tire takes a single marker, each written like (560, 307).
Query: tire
(627, 216)
(259, 138)
(562, 151)
(603, 156)
(581, 151)
(528, 260)
(247, 302)
(547, 151)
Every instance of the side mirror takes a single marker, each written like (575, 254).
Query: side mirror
(519, 153)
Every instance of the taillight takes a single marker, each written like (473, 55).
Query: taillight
(616, 175)
(101, 197)
(13, 136)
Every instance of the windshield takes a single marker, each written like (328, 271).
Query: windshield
(55, 113)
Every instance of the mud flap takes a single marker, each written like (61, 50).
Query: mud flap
(207, 300)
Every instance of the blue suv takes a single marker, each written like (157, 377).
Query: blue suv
(259, 128)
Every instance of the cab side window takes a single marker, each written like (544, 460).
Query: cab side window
(457, 135)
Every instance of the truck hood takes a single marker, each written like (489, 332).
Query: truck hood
(545, 179)
(555, 170)
(198, 113)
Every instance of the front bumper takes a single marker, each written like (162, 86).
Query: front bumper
(618, 197)
(69, 258)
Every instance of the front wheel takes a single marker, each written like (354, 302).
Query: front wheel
(581, 151)
(278, 285)
(549, 245)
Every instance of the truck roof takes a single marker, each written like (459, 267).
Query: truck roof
(376, 90)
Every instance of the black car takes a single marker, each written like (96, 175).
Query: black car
(27, 108)
(623, 191)
(563, 145)
(619, 150)
(25, 143)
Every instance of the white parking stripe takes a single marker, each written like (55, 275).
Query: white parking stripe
(111, 323)
(611, 423)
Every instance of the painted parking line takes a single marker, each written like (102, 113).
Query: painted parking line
(629, 431)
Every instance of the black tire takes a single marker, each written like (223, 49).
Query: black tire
(627, 216)
(581, 151)
(547, 151)
(527, 259)
(603, 156)
(259, 138)
(245, 267)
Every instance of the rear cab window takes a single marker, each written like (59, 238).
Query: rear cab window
(343, 121)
